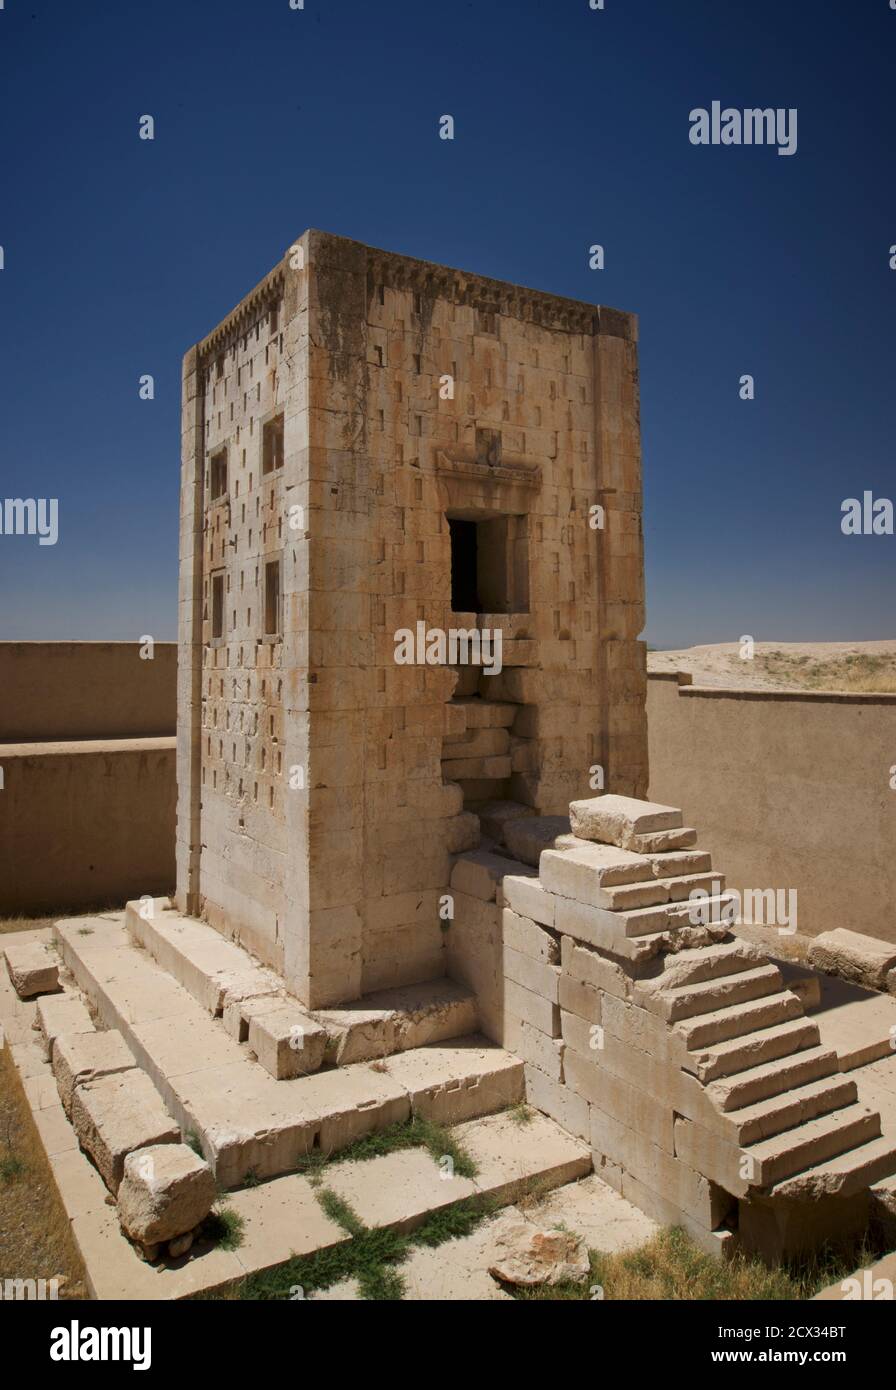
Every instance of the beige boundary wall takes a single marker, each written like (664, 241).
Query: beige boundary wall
(790, 791)
(87, 774)
(70, 690)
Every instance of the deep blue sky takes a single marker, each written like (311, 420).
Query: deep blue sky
(571, 128)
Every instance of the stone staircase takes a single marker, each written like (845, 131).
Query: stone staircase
(188, 1004)
(707, 1093)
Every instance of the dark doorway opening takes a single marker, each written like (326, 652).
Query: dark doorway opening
(464, 566)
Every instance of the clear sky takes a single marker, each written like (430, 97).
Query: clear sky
(571, 128)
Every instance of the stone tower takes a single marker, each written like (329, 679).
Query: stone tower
(375, 445)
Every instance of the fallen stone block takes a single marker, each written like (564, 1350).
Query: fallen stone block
(115, 1115)
(81, 1057)
(33, 968)
(865, 960)
(527, 1257)
(620, 820)
(166, 1192)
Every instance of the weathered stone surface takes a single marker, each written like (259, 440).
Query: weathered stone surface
(33, 968)
(495, 815)
(80, 1057)
(286, 1041)
(866, 960)
(527, 836)
(166, 1191)
(621, 820)
(117, 1114)
(580, 874)
(526, 1256)
(62, 1013)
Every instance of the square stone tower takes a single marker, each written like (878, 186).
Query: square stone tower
(378, 451)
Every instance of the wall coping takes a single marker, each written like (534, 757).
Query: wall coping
(812, 697)
(67, 747)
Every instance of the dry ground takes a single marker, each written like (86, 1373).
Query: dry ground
(855, 667)
(35, 1238)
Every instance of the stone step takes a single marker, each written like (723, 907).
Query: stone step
(246, 1121)
(766, 1118)
(842, 1176)
(709, 996)
(737, 1020)
(225, 979)
(752, 1049)
(396, 1020)
(710, 910)
(400, 1190)
(213, 969)
(691, 967)
(826, 1137)
(772, 1078)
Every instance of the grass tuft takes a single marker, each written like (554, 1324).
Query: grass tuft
(225, 1227)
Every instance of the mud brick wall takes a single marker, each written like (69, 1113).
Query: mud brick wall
(338, 883)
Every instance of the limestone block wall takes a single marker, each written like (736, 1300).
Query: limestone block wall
(412, 395)
(756, 769)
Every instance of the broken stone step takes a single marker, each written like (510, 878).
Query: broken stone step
(772, 1078)
(691, 967)
(708, 910)
(458, 1080)
(752, 1049)
(114, 1115)
(395, 1020)
(826, 1137)
(62, 1013)
(81, 1057)
(766, 1118)
(842, 1176)
(211, 968)
(738, 1019)
(709, 996)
